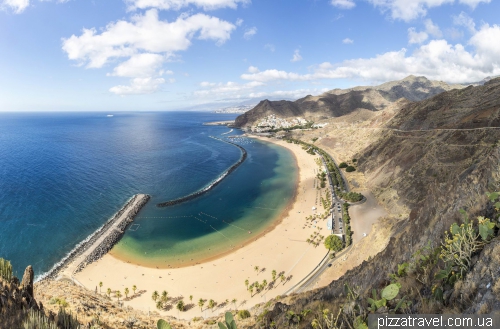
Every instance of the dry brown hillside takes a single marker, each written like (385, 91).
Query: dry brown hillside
(341, 102)
(424, 163)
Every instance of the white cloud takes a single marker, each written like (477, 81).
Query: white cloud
(416, 37)
(145, 42)
(437, 60)
(139, 86)
(249, 33)
(179, 4)
(18, 6)
(145, 33)
(343, 4)
(224, 89)
(296, 56)
(294, 94)
(270, 47)
(253, 69)
(347, 41)
(408, 10)
(140, 65)
(465, 20)
(239, 21)
(432, 29)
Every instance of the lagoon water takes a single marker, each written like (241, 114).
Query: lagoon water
(63, 175)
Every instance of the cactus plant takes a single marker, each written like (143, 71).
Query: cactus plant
(228, 323)
(390, 292)
(162, 324)
(67, 320)
(5, 270)
(37, 320)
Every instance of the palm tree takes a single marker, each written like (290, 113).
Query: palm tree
(155, 295)
(274, 275)
(134, 288)
(159, 305)
(109, 292)
(118, 294)
(180, 306)
(234, 302)
(246, 283)
(190, 298)
(164, 296)
(126, 292)
(282, 277)
(211, 304)
(264, 283)
(100, 286)
(256, 268)
(251, 291)
(201, 302)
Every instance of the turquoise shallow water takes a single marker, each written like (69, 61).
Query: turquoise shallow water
(62, 175)
(248, 200)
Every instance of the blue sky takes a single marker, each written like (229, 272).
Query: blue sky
(118, 55)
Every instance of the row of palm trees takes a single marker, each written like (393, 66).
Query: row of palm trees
(162, 300)
(261, 286)
(118, 293)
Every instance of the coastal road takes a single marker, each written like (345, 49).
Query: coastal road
(313, 279)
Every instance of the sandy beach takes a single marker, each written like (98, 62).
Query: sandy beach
(283, 249)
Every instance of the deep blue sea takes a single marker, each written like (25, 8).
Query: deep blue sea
(63, 175)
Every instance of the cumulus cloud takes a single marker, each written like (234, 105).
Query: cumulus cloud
(140, 65)
(436, 60)
(294, 94)
(139, 86)
(253, 69)
(416, 37)
(179, 4)
(239, 21)
(408, 10)
(296, 56)
(146, 42)
(343, 4)
(249, 33)
(347, 41)
(466, 21)
(18, 6)
(432, 29)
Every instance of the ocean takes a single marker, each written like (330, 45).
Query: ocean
(63, 175)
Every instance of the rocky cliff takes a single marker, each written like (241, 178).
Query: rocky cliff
(339, 102)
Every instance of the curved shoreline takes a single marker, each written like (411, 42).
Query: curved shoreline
(214, 183)
(83, 246)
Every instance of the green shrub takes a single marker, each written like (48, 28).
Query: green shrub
(243, 314)
(343, 165)
(5, 270)
(334, 243)
(350, 169)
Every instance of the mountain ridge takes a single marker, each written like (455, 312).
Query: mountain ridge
(339, 102)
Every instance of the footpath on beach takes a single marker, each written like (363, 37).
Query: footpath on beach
(100, 242)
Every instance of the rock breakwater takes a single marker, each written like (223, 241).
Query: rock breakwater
(101, 241)
(212, 184)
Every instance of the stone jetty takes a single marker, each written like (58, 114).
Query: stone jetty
(212, 184)
(100, 242)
